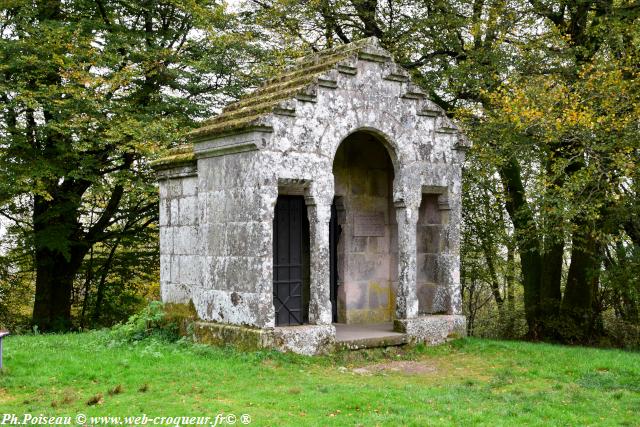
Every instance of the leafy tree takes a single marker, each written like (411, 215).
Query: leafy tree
(575, 121)
(89, 91)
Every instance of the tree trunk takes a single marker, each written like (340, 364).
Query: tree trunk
(106, 268)
(510, 279)
(527, 241)
(366, 11)
(87, 288)
(550, 292)
(56, 266)
(577, 303)
(54, 281)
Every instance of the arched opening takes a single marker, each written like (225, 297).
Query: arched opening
(363, 232)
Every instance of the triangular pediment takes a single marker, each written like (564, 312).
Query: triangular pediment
(300, 82)
(283, 94)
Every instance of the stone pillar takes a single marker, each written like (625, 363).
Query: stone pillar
(406, 296)
(319, 300)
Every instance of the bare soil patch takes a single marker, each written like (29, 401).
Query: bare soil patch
(408, 367)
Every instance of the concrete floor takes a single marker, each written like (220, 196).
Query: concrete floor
(352, 332)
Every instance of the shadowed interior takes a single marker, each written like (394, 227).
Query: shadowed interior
(367, 247)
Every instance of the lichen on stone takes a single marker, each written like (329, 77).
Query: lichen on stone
(280, 88)
(178, 156)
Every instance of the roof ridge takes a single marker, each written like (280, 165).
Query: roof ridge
(315, 57)
(286, 85)
(289, 90)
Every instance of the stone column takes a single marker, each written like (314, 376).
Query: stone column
(319, 300)
(406, 297)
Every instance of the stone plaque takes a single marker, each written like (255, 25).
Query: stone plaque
(369, 224)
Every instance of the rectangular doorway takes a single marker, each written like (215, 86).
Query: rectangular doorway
(291, 261)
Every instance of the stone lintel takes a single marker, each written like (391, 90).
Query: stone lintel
(304, 97)
(394, 77)
(428, 112)
(248, 139)
(434, 189)
(286, 108)
(178, 170)
(374, 55)
(414, 92)
(327, 83)
(447, 130)
(293, 186)
(463, 144)
(396, 73)
(308, 94)
(328, 80)
(432, 329)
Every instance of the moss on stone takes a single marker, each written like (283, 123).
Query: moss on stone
(183, 315)
(250, 110)
(230, 126)
(179, 156)
(282, 87)
(240, 337)
(266, 98)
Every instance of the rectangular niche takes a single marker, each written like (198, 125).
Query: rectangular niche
(429, 245)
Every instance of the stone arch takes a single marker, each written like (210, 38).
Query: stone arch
(403, 155)
(365, 251)
(382, 137)
(390, 132)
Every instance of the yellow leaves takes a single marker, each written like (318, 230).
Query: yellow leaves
(603, 100)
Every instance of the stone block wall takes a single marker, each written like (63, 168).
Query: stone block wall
(236, 225)
(180, 259)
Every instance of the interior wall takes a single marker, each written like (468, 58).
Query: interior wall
(367, 248)
(429, 242)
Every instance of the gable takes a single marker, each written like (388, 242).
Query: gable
(300, 84)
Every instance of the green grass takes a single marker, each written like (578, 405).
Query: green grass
(466, 382)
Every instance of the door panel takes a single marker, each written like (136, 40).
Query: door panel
(291, 256)
(334, 235)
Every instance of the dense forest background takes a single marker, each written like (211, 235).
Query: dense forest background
(548, 91)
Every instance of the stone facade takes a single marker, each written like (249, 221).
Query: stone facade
(401, 168)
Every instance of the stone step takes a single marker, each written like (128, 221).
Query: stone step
(372, 342)
(355, 336)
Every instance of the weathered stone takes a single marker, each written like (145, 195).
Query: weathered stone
(307, 339)
(175, 292)
(434, 329)
(348, 123)
(188, 208)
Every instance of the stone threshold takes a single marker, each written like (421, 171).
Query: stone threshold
(323, 339)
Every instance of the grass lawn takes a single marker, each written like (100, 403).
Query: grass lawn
(466, 382)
